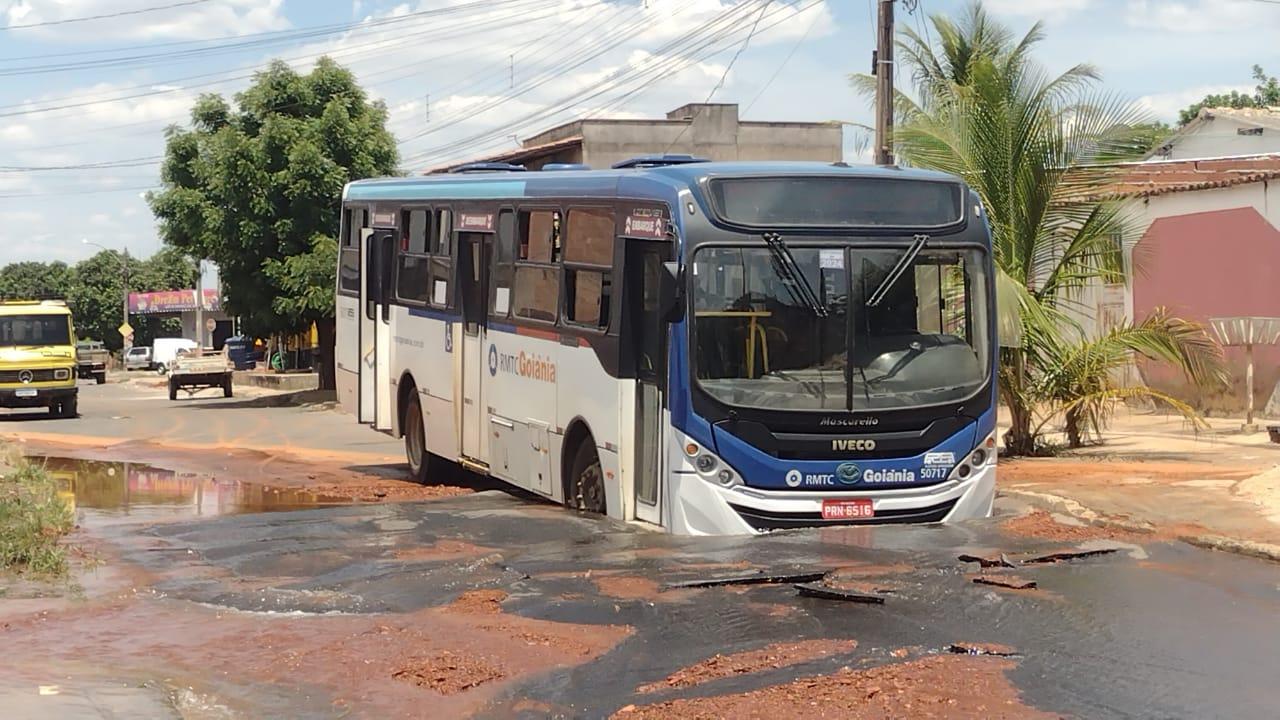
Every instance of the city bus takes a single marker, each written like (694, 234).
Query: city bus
(705, 347)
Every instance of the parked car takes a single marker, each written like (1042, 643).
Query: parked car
(91, 360)
(138, 358)
(164, 350)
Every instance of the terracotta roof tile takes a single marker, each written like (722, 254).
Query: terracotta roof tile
(1138, 180)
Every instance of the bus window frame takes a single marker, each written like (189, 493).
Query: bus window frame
(555, 264)
(439, 211)
(606, 271)
(402, 252)
(344, 235)
(504, 209)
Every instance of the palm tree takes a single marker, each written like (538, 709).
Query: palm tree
(1036, 148)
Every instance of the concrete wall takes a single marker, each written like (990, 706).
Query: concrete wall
(1218, 138)
(714, 132)
(1204, 254)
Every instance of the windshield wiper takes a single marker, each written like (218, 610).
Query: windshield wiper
(789, 270)
(898, 270)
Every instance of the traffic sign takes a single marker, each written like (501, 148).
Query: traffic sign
(126, 330)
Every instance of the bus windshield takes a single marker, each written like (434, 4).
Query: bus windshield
(840, 328)
(34, 330)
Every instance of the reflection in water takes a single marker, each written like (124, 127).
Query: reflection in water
(118, 490)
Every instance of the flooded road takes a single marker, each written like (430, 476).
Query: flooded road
(113, 492)
(488, 605)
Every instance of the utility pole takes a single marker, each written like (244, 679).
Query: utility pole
(882, 61)
(124, 262)
(200, 302)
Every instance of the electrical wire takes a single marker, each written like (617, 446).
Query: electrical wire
(105, 16)
(812, 24)
(723, 76)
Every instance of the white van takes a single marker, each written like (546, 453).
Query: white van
(164, 350)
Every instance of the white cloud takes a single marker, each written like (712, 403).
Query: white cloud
(1038, 9)
(202, 20)
(1165, 106)
(1201, 16)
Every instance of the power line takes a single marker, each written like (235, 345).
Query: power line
(106, 16)
(723, 76)
(787, 59)
(646, 74)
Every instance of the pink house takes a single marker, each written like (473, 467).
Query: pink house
(1209, 247)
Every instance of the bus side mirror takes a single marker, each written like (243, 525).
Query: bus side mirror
(670, 296)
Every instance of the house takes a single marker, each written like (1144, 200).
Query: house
(1224, 132)
(1206, 245)
(710, 130)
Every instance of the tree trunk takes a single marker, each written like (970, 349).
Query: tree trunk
(1019, 440)
(1075, 438)
(326, 336)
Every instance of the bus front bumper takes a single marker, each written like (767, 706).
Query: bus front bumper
(703, 508)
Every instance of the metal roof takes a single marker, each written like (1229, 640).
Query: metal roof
(496, 185)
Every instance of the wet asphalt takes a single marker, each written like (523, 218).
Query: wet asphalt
(1160, 631)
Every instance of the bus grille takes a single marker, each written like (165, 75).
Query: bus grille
(766, 520)
(11, 376)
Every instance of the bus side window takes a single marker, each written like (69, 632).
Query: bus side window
(442, 260)
(588, 260)
(536, 295)
(413, 274)
(504, 271)
(353, 222)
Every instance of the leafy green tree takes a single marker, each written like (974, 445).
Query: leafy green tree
(26, 280)
(1035, 147)
(96, 297)
(253, 187)
(1265, 94)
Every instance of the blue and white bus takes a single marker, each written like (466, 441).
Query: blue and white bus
(710, 348)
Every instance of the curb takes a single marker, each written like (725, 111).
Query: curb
(1067, 506)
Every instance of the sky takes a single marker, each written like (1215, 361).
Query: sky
(91, 85)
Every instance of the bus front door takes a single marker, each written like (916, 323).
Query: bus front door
(474, 251)
(382, 248)
(368, 314)
(644, 270)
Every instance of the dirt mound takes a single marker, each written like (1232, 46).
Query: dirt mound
(775, 656)
(479, 602)
(448, 673)
(1040, 524)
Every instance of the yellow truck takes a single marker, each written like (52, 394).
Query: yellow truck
(38, 356)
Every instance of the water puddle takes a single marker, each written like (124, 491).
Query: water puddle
(112, 492)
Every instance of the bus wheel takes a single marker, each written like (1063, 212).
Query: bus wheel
(415, 439)
(587, 484)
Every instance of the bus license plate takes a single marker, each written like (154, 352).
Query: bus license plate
(29, 392)
(847, 509)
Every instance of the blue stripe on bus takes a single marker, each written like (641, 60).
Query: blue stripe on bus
(419, 190)
(433, 314)
(502, 327)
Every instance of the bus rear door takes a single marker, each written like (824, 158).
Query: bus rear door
(474, 255)
(645, 260)
(375, 368)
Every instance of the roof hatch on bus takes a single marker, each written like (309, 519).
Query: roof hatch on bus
(819, 201)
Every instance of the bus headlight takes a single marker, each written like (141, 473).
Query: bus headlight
(981, 456)
(61, 374)
(706, 463)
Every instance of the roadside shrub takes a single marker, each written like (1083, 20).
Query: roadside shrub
(32, 519)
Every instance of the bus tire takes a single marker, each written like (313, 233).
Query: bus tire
(415, 440)
(586, 479)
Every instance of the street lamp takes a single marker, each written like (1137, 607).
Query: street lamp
(124, 266)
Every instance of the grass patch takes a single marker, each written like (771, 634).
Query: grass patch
(33, 519)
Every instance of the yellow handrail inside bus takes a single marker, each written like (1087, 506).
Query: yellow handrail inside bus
(753, 331)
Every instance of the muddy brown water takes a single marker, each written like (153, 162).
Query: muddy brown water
(1164, 630)
(106, 493)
